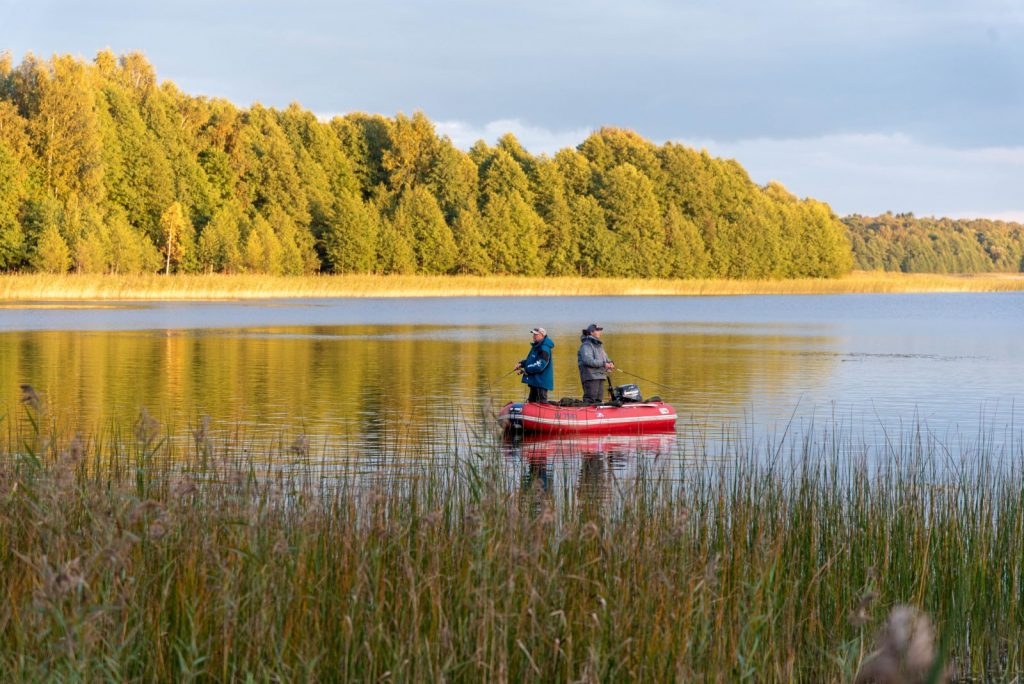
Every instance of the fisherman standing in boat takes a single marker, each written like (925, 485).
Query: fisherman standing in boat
(594, 364)
(537, 368)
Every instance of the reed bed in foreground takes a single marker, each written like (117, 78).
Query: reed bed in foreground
(125, 558)
(41, 287)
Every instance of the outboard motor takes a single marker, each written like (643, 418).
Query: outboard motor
(626, 393)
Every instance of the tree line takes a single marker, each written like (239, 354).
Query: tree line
(105, 169)
(903, 242)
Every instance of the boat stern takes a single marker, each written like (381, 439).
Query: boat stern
(511, 417)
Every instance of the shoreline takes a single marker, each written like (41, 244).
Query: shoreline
(72, 288)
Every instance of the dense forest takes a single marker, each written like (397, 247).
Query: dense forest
(105, 169)
(901, 242)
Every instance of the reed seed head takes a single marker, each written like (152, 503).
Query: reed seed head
(861, 615)
(30, 397)
(200, 433)
(906, 651)
(146, 427)
(300, 447)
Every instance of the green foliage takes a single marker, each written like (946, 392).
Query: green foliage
(65, 130)
(688, 255)
(902, 242)
(178, 239)
(14, 133)
(634, 218)
(96, 154)
(612, 147)
(218, 246)
(512, 232)
(365, 139)
(410, 157)
(512, 227)
(130, 250)
(137, 174)
(52, 254)
(92, 244)
(267, 169)
(453, 180)
(598, 249)
(420, 220)
(827, 251)
(40, 214)
(298, 256)
(471, 257)
(262, 250)
(13, 192)
(395, 254)
(348, 238)
(560, 241)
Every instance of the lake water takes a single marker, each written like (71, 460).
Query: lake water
(379, 385)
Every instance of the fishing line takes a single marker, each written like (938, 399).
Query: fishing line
(489, 399)
(633, 375)
(491, 385)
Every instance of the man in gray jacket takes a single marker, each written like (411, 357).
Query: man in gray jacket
(593, 363)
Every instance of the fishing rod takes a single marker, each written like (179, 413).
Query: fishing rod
(633, 375)
(489, 400)
(494, 382)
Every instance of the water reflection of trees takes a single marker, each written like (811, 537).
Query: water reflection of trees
(359, 386)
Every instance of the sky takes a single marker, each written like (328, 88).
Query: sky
(869, 105)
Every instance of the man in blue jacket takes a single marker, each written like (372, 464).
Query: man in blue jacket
(537, 368)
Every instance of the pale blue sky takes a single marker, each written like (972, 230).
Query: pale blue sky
(869, 105)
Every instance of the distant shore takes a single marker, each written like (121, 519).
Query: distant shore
(51, 288)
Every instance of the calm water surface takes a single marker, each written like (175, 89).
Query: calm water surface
(378, 384)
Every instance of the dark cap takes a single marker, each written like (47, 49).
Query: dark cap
(541, 331)
(592, 327)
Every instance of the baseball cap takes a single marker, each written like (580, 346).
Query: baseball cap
(593, 326)
(542, 331)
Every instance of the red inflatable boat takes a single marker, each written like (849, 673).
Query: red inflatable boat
(642, 417)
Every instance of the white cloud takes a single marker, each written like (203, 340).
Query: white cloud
(1014, 216)
(870, 174)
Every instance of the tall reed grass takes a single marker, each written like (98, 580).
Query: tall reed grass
(64, 288)
(127, 556)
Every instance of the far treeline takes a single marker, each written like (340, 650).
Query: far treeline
(901, 242)
(103, 169)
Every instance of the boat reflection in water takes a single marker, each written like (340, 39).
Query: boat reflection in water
(586, 464)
